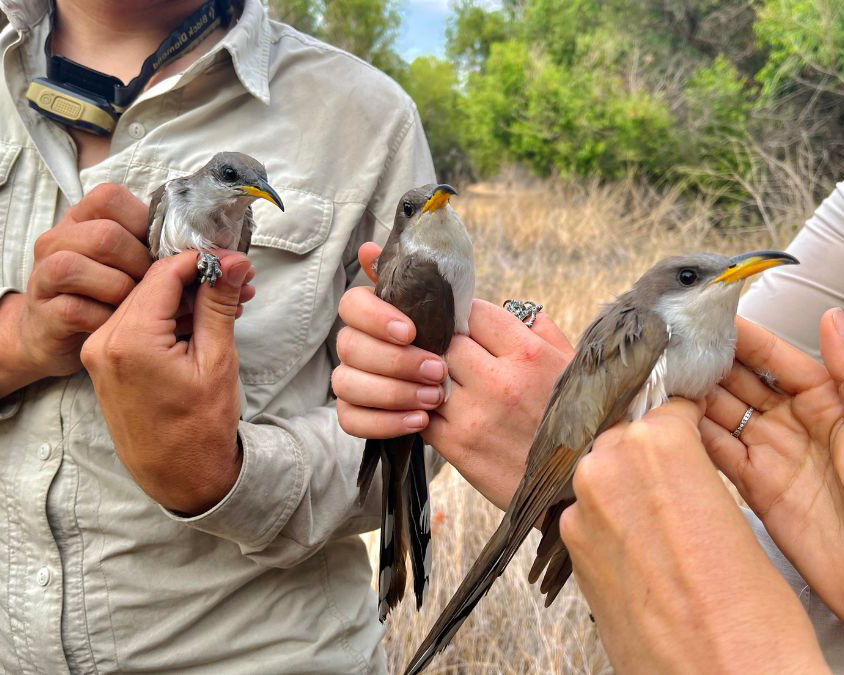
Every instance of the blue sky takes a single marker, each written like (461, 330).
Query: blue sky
(422, 29)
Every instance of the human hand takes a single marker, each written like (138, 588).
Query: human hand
(672, 573)
(502, 376)
(788, 462)
(84, 267)
(172, 407)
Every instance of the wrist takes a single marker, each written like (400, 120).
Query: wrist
(203, 486)
(18, 366)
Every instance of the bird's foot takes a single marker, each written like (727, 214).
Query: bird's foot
(208, 268)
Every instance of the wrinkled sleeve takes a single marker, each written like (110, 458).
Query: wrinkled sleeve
(9, 405)
(297, 485)
(790, 300)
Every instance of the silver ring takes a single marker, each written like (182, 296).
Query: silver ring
(747, 413)
(524, 311)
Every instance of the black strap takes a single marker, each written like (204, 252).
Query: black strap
(209, 17)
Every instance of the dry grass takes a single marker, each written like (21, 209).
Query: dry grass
(570, 247)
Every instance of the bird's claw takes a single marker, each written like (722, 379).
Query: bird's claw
(208, 268)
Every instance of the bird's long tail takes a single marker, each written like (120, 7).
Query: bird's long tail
(491, 563)
(419, 519)
(552, 554)
(405, 516)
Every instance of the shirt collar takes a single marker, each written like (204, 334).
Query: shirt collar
(247, 42)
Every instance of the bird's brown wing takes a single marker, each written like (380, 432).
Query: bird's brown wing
(246, 231)
(157, 209)
(613, 360)
(415, 286)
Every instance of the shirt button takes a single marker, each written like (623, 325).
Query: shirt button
(43, 576)
(136, 130)
(44, 451)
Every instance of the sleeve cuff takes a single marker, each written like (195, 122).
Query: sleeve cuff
(9, 405)
(265, 494)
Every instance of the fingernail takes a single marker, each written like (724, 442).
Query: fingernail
(414, 421)
(432, 369)
(429, 395)
(399, 331)
(838, 320)
(238, 273)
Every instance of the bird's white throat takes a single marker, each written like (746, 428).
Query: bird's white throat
(441, 237)
(701, 345)
(201, 219)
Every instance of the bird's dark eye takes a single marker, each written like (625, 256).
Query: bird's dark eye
(407, 207)
(228, 174)
(687, 277)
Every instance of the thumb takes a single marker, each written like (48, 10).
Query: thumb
(832, 343)
(215, 309)
(681, 408)
(367, 256)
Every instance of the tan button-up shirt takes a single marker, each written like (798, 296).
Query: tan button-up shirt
(96, 577)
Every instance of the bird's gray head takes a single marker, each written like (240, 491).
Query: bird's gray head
(421, 203)
(234, 176)
(692, 289)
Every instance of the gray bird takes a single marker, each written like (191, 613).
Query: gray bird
(209, 209)
(427, 271)
(672, 334)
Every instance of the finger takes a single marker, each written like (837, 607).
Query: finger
(113, 202)
(746, 385)
(545, 328)
(364, 352)
(376, 391)
(69, 314)
(762, 351)
(726, 410)
(247, 292)
(468, 362)
(727, 452)
(105, 241)
(371, 423)
(367, 255)
(215, 309)
(832, 343)
(680, 408)
(159, 293)
(496, 330)
(361, 309)
(69, 272)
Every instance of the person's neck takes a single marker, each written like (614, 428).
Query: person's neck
(115, 37)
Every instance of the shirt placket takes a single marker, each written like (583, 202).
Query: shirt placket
(35, 569)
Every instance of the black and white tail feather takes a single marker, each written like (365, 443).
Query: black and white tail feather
(405, 516)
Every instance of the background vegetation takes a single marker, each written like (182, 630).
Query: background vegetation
(738, 100)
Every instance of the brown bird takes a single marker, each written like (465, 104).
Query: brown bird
(209, 209)
(672, 334)
(426, 270)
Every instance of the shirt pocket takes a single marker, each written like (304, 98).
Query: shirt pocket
(9, 153)
(287, 252)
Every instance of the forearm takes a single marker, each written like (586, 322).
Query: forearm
(296, 489)
(15, 369)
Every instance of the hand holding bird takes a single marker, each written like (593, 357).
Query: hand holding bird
(172, 406)
(672, 573)
(787, 461)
